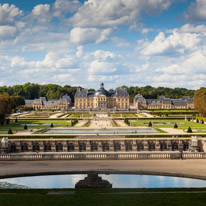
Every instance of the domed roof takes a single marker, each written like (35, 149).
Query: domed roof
(101, 91)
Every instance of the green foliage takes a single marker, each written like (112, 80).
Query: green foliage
(203, 121)
(197, 121)
(25, 127)
(189, 130)
(53, 91)
(10, 131)
(150, 124)
(126, 121)
(200, 101)
(175, 125)
(7, 121)
(51, 125)
(73, 122)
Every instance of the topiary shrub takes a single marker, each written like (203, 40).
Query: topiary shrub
(126, 121)
(10, 131)
(7, 121)
(25, 127)
(188, 119)
(189, 130)
(197, 121)
(203, 121)
(16, 120)
(51, 125)
(2, 121)
(175, 126)
(150, 124)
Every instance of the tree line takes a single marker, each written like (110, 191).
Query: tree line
(54, 91)
(200, 101)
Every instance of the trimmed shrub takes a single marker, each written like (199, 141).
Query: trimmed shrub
(10, 131)
(175, 126)
(197, 121)
(7, 121)
(188, 119)
(150, 124)
(189, 130)
(25, 127)
(16, 120)
(203, 121)
(126, 121)
(73, 122)
(51, 125)
(2, 121)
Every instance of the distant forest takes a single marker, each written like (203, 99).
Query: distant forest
(53, 91)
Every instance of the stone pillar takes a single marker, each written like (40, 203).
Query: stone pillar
(122, 143)
(53, 146)
(111, 146)
(18, 146)
(30, 147)
(157, 147)
(146, 145)
(65, 146)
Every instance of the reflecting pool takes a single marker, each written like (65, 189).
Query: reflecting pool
(117, 181)
(108, 131)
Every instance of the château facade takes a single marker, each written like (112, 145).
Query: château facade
(101, 99)
(42, 103)
(163, 103)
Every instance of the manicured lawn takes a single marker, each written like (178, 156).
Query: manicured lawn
(184, 124)
(123, 115)
(79, 115)
(100, 197)
(20, 124)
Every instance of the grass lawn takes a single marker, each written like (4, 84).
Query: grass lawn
(184, 124)
(100, 197)
(123, 115)
(78, 115)
(20, 124)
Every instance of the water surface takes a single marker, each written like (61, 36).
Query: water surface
(117, 180)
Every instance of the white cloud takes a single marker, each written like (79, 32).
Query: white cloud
(65, 6)
(8, 13)
(7, 32)
(196, 12)
(79, 51)
(174, 44)
(106, 13)
(88, 35)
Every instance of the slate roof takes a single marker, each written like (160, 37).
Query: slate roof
(101, 91)
(29, 102)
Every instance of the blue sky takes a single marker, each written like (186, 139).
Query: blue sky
(119, 42)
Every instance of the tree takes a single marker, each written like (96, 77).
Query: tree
(189, 130)
(25, 127)
(175, 125)
(10, 131)
(51, 125)
(200, 101)
(16, 120)
(197, 121)
(203, 121)
(150, 124)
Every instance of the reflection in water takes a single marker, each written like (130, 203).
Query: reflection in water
(117, 181)
(93, 181)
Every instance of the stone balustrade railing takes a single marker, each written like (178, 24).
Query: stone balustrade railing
(103, 156)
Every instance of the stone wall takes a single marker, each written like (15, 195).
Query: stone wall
(104, 145)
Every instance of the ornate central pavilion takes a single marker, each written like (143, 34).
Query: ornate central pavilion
(101, 99)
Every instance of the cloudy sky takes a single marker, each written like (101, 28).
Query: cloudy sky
(119, 42)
